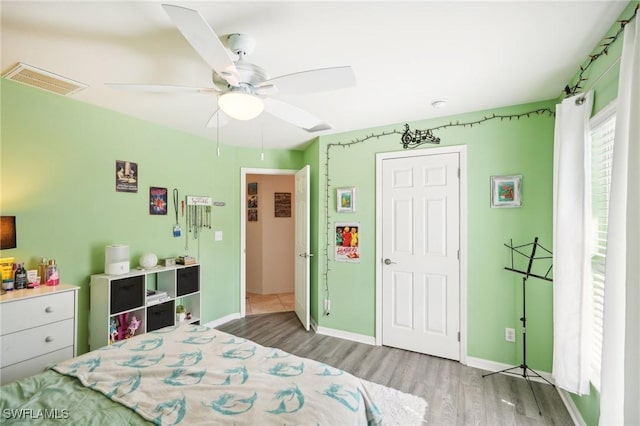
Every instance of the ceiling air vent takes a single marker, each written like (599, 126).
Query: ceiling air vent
(36, 77)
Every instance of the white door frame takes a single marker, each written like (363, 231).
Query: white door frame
(244, 171)
(462, 151)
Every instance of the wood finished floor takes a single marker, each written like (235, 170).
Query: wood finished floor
(455, 394)
(269, 303)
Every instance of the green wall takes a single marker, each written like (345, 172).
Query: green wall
(57, 178)
(496, 147)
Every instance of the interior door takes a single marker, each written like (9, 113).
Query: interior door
(420, 254)
(302, 246)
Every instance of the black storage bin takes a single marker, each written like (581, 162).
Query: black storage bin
(127, 293)
(161, 315)
(188, 280)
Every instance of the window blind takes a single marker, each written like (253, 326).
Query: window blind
(602, 140)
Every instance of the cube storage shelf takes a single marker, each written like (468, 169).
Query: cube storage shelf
(126, 294)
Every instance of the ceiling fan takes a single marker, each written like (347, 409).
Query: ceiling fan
(244, 89)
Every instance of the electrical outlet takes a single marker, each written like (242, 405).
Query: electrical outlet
(510, 334)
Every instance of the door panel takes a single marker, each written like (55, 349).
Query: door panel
(421, 239)
(402, 296)
(302, 279)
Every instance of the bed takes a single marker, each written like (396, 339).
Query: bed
(190, 374)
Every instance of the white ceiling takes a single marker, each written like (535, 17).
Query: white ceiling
(477, 55)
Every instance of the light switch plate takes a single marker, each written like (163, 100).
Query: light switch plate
(218, 235)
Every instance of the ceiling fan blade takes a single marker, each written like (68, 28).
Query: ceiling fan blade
(204, 40)
(294, 115)
(162, 88)
(218, 119)
(319, 80)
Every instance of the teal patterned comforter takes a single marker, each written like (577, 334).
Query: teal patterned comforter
(191, 374)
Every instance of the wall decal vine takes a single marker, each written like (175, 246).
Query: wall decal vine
(573, 90)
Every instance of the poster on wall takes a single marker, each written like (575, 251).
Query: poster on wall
(126, 176)
(252, 215)
(282, 204)
(157, 200)
(347, 248)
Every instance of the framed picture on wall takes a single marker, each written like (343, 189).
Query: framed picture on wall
(282, 204)
(506, 191)
(157, 200)
(126, 176)
(347, 247)
(346, 200)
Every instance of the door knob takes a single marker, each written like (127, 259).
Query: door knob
(388, 262)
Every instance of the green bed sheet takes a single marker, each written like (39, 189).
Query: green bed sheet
(51, 398)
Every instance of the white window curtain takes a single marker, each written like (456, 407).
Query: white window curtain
(620, 389)
(571, 233)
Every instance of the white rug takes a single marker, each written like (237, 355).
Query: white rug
(398, 408)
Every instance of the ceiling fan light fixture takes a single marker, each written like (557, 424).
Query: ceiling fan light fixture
(241, 105)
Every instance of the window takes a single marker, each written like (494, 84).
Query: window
(602, 138)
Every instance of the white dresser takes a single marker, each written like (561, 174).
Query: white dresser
(38, 328)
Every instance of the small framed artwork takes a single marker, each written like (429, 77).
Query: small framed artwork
(506, 191)
(346, 200)
(282, 204)
(126, 176)
(157, 200)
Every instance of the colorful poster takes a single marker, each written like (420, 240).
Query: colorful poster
(157, 200)
(347, 242)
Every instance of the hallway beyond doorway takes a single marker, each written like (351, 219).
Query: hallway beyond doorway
(268, 303)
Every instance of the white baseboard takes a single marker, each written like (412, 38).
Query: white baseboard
(223, 320)
(360, 338)
(493, 366)
(571, 407)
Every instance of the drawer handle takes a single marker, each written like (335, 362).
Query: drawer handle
(48, 339)
(48, 309)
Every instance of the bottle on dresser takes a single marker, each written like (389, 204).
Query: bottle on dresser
(20, 277)
(52, 273)
(42, 270)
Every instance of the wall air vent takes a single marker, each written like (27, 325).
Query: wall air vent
(36, 77)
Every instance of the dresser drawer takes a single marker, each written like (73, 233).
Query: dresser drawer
(34, 365)
(35, 311)
(26, 344)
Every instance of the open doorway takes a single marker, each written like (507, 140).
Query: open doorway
(269, 241)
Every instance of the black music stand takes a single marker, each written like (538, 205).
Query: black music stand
(525, 370)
